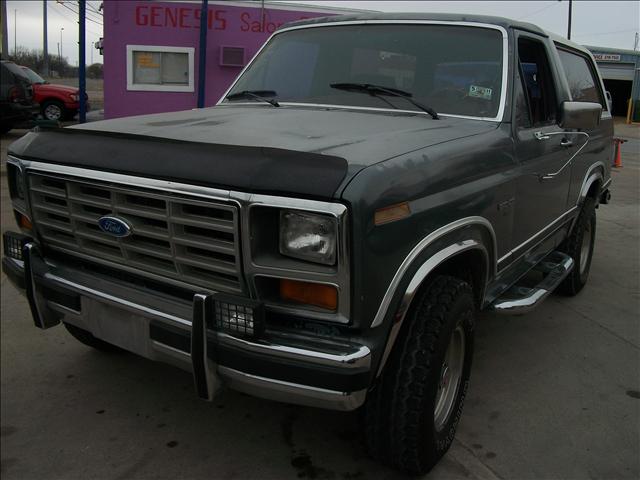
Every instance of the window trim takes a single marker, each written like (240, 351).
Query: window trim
(592, 69)
(152, 87)
(500, 116)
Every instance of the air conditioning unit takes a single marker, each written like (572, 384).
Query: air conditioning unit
(232, 56)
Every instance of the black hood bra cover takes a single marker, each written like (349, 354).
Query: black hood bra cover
(244, 168)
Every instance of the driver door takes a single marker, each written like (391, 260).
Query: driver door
(541, 148)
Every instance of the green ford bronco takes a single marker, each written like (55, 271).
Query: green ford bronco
(327, 233)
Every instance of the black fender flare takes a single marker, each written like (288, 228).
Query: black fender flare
(442, 245)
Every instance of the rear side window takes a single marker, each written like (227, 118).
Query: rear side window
(583, 84)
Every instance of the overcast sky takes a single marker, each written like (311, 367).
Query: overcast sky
(29, 26)
(599, 23)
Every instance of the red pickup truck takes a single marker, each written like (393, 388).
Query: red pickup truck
(57, 102)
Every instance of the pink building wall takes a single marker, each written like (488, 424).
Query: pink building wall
(177, 24)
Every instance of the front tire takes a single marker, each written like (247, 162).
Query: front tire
(579, 246)
(53, 110)
(412, 413)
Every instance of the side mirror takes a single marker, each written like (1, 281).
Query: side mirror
(580, 115)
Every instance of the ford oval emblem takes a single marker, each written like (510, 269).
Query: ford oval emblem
(114, 226)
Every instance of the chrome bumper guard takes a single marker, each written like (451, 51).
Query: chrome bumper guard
(122, 316)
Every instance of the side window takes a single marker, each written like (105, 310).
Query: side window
(583, 85)
(538, 83)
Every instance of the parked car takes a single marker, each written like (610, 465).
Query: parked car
(327, 234)
(17, 105)
(57, 102)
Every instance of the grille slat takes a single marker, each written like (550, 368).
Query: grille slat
(97, 238)
(152, 232)
(200, 262)
(53, 224)
(164, 254)
(220, 225)
(92, 201)
(48, 191)
(58, 210)
(214, 246)
(148, 213)
(85, 218)
(187, 239)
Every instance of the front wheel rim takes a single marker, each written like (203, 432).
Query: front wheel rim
(450, 378)
(52, 112)
(585, 248)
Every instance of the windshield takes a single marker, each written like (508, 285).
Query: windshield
(453, 69)
(33, 76)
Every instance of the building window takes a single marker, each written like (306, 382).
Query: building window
(162, 69)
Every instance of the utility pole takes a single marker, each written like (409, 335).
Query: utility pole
(202, 47)
(5, 39)
(15, 32)
(569, 27)
(635, 42)
(92, 47)
(45, 46)
(82, 71)
(61, 29)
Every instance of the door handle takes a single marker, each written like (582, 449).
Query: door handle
(541, 136)
(565, 142)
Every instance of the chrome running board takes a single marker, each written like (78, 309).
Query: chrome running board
(519, 300)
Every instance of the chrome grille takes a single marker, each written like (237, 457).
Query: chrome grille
(184, 238)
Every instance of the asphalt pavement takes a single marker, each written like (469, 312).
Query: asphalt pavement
(554, 394)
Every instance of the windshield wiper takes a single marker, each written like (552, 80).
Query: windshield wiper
(257, 94)
(378, 89)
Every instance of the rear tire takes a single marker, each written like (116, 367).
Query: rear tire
(579, 246)
(412, 413)
(88, 339)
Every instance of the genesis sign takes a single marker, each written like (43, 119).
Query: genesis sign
(189, 17)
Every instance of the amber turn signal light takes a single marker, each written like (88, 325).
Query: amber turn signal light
(317, 294)
(391, 213)
(25, 222)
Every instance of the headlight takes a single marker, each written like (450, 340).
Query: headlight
(75, 97)
(308, 236)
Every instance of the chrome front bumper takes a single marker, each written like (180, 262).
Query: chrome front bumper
(281, 366)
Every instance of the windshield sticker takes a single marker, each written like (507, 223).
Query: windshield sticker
(480, 92)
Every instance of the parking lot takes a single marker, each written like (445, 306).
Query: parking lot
(554, 394)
